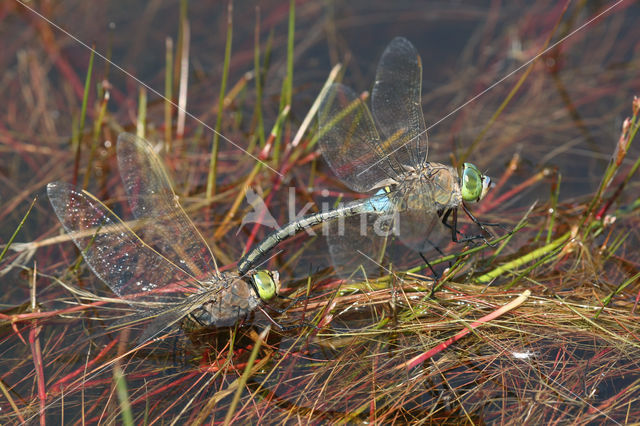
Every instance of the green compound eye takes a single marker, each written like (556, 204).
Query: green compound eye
(267, 283)
(474, 185)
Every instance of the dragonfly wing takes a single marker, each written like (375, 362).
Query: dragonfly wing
(374, 244)
(350, 142)
(367, 246)
(355, 252)
(164, 321)
(131, 268)
(165, 226)
(423, 231)
(149, 323)
(169, 318)
(396, 102)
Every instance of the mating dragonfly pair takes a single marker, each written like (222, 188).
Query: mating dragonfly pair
(154, 263)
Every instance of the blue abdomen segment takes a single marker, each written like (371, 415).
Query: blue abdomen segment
(379, 202)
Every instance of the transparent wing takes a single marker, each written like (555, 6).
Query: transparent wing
(154, 321)
(113, 252)
(356, 253)
(373, 244)
(423, 231)
(396, 103)
(350, 142)
(165, 226)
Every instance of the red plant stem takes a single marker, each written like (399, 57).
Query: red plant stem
(254, 231)
(51, 46)
(176, 401)
(16, 147)
(38, 315)
(444, 345)
(276, 185)
(489, 202)
(515, 190)
(614, 399)
(608, 204)
(165, 388)
(172, 288)
(36, 354)
(95, 383)
(98, 403)
(56, 387)
(17, 332)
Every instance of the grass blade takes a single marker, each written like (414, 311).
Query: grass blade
(213, 164)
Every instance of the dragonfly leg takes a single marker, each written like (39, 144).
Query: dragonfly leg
(474, 238)
(293, 302)
(454, 227)
(482, 225)
(436, 275)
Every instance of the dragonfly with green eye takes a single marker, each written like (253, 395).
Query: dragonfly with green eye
(384, 151)
(159, 264)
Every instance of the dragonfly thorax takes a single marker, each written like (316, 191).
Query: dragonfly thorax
(434, 185)
(232, 299)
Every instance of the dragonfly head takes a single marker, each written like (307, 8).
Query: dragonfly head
(265, 283)
(474, 185)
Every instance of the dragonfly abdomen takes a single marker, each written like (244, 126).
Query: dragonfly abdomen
(299, 225)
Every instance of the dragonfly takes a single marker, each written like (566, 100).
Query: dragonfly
(160, 264)
(384, 151)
